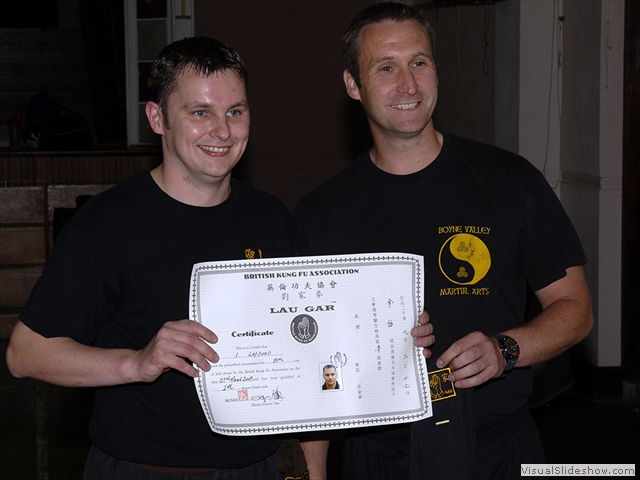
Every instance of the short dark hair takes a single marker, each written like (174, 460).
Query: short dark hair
(202, 55)
(377, 13)
(329, 366)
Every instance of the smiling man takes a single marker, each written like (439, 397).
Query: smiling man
(204, 125)
(488, 226)
(111, 309)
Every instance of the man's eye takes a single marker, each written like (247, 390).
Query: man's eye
(386, 69)
(199, 113)
(424, 63)
(234, 113)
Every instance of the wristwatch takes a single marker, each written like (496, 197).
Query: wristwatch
(510, 350)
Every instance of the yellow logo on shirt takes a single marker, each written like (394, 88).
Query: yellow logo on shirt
(250, 254)
(464, 259)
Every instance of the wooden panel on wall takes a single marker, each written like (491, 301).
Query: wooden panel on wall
(7, 321)
(22, 205)
(22, 245)
(16, 285)
(29, 168)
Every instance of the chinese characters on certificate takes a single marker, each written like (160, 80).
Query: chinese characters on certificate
(311, 343)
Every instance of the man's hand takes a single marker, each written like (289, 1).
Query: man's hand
(474, 359)
(423, 334)
(174, 343)
(68, 363)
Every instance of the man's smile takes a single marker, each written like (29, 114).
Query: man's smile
(405, 106)
(215, 149)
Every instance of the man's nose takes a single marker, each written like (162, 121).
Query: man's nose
(407, 82)
(219, 128)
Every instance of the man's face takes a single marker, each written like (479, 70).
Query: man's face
(208, 118)
(330, 377)
(398, 77)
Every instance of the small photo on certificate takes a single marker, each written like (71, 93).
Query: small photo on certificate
(331, 377)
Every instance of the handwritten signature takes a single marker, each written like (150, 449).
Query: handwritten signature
(275, 395)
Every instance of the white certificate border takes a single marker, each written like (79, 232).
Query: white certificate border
(338, 422)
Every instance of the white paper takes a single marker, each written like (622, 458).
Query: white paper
(280, 321)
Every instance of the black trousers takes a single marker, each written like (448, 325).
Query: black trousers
(431, 450)
(442, 447)
(101, 466)
(500, 456)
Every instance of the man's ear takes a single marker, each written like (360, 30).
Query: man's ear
(154, 114)
(352, 88)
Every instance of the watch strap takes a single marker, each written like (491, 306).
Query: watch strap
(510, 350)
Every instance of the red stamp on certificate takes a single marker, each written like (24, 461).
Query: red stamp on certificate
(243, 395)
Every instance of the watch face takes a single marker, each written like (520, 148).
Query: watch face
(511, 347)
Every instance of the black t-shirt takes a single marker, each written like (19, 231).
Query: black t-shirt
(121, 269)
(487, 224)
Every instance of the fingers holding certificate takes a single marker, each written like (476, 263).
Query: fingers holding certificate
(311, 343)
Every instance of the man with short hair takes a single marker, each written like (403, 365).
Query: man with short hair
(330, 378)
(110, 308)
(488, 226)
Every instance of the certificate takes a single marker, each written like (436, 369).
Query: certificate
(311, 343)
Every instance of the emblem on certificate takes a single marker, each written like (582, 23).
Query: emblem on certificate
(311, 343)
(304, 328)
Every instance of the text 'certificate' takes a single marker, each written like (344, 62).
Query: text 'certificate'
(311, 343)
